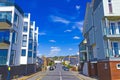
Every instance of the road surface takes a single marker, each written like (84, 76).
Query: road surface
(59, 74)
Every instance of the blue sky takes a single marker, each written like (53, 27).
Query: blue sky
(60, 24)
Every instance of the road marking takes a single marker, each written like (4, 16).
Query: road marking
(60, 75)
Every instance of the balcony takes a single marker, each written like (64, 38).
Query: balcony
(111, 33)
(5, 21)
(3, 60)
(113, 53)
(83, 49)
(4, 39)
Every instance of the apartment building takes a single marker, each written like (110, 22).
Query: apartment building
(33, 43)
(11, 22)
(102, 32)
(25, 39)
(29, 41)
(18, 41)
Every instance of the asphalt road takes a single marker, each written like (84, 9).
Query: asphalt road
(59, 74)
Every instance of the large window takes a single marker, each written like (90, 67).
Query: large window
(31, 33)
(24, 41)
(34, 55)
(25, 28)
(3, 56)
(23, 52)
(29, 53)
(30, 44)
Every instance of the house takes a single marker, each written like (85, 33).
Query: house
(101, 29)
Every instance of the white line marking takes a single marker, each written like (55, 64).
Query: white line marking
(60, 75)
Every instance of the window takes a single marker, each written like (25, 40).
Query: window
(16, 20)
(24, 37)
(34, 55)
(31, 33)
(119, 27)
(29, 53)
(12, 57)
(23, 52)
(115, 49)
(24, 41)
(110, 6)
(14, 37)
(118, 66)
(25, 28)
(112, 29)
(3, 56)
(30, 44)
(25, 23)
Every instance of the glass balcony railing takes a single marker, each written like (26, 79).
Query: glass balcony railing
(4, 37)
(111, 31)
(3, 60)
(83, 47)
(113, 52)
(5, 16)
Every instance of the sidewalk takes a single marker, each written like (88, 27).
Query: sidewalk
(82, 77)
(39, 74)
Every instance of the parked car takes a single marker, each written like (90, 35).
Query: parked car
(65, 68)
(51, 68)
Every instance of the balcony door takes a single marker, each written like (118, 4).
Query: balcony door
(112, 29)
(115, 49)
(119, 27)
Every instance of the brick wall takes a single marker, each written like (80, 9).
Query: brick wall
(104, 70)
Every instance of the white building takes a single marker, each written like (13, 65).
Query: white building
(11, 22)
(102, 32)
(29, 41)
(33, 43)
(25, 39)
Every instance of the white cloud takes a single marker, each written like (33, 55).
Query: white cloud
(78, 25)
(68, 30)
(76, 37)
(59, 19)
(42, 33)
(54, 51)
(53, 41)
(77, 7)
(70, 49)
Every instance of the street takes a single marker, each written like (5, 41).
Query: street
(59, 74)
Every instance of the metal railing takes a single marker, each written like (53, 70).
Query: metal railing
(110, 31)
(113, 52)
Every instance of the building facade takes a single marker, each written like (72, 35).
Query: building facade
(29, 41)
(102, 32)
(18, 41)
(11, 22)
(25, 39)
